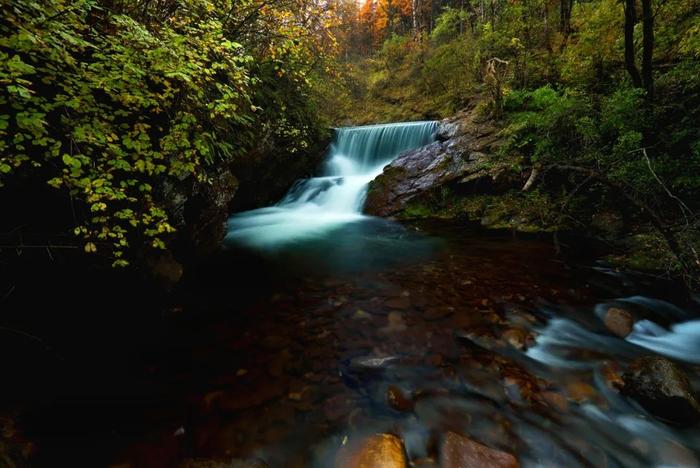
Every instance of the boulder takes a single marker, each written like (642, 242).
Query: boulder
(619, 321)
(377, 451)
(459, 156)
(663, 389)
(458, 451)
(198, 211)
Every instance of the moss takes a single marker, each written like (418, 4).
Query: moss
(513, 210)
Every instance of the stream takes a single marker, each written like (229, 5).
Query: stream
(317, 325)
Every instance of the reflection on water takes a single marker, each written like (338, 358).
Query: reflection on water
(365, 244)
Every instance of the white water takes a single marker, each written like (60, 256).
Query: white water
(314, 207)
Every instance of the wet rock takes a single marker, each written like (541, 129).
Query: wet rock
(663, 389)
(611, 375)
(516, 337)
(377, 451)
(199, 212)
(461, 158)
(458, 451)
(580, 391)
(397, 400)
(619, 321)
(556, 401)
(470, 339)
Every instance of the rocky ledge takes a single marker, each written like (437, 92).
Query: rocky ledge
(461, 156)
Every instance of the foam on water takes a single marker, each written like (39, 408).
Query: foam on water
(314, 207)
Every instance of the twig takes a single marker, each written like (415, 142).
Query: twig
(26, 335)
(684, 207)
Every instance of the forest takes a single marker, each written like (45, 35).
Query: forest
(349, 233)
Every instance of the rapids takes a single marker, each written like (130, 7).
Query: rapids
(313, 207)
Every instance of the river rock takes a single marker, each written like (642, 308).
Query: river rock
(516, 337)
(458, 451)
(619, 321)
(397, 400)
(663, 389)
(377, 451)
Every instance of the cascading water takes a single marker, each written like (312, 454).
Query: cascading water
(314, 206)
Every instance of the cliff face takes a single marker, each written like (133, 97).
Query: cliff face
(460, 157)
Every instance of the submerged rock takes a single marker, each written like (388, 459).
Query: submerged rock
(663, 389)
(377, 451)
(397, 400)
(619, 321)
(458, 451)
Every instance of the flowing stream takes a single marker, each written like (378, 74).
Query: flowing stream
(315, 206)
(318, 325)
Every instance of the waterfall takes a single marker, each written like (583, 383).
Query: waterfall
(315, 206)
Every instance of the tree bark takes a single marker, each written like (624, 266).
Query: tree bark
(630, 20)
(565, 17)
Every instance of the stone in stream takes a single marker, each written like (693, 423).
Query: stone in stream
(458, 451)
(556, 401)
(377, 451)
(619, 321)
(663, 389)
(397, 400)
(515, 337)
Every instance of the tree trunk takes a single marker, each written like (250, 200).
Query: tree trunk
(565, 17)
(648, 48)
(414, 16)
(630, 20)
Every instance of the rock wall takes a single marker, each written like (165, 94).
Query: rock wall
(460, 156)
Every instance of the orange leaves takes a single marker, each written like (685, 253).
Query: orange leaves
(381, 18)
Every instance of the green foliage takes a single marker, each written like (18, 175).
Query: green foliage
(450, 24)
(108, 107)
(111, 102)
